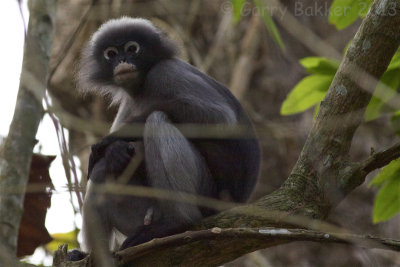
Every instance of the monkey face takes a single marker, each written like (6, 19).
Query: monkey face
(120, 54)
(125, 64)
(125, 61)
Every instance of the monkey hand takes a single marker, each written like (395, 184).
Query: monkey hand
(117, 156)
(98, 151)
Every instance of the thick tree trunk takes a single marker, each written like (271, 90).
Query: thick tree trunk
(17, 149)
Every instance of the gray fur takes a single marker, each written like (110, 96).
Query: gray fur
(86, 84)
(188, 86)
(116, 24)
(125, 112)
(168, 92)
(175, 165)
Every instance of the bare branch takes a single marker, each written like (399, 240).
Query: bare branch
(381, 159)
(260, 238)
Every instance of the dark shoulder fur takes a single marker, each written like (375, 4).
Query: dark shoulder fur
(180, 77)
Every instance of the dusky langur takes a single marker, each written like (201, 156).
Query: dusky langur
(137, 65)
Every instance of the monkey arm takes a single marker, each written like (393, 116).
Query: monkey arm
(99, 149)
(178, 110)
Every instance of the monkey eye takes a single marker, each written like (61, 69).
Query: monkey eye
(110, 52)
(132, 47)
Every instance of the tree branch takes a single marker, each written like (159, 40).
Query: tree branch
(381, 159)
(261, 238)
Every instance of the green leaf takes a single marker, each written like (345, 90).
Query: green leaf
(383, 94)
(395, 122)
(388, 172)
(306, 93)
(364, 6)
(269, 23)
(387, 201)
(320, 65)
(344, 12)
(237, 9)
(69, 238)
(395, 62)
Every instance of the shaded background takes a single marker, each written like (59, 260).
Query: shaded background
(244, 57)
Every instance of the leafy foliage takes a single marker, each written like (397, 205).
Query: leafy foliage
(312, 89)
(308, 92)
(387, 201)
(344, 12)
(320, 65)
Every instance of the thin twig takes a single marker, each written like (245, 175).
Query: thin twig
(66, 157)
(21, 13)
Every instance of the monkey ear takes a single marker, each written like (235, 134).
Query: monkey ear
(169, 47)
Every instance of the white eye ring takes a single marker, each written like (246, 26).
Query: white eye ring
(110, 52)
(132, 46)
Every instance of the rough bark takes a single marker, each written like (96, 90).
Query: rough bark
(17, 149)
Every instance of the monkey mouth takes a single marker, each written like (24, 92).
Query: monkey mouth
(125, 73)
